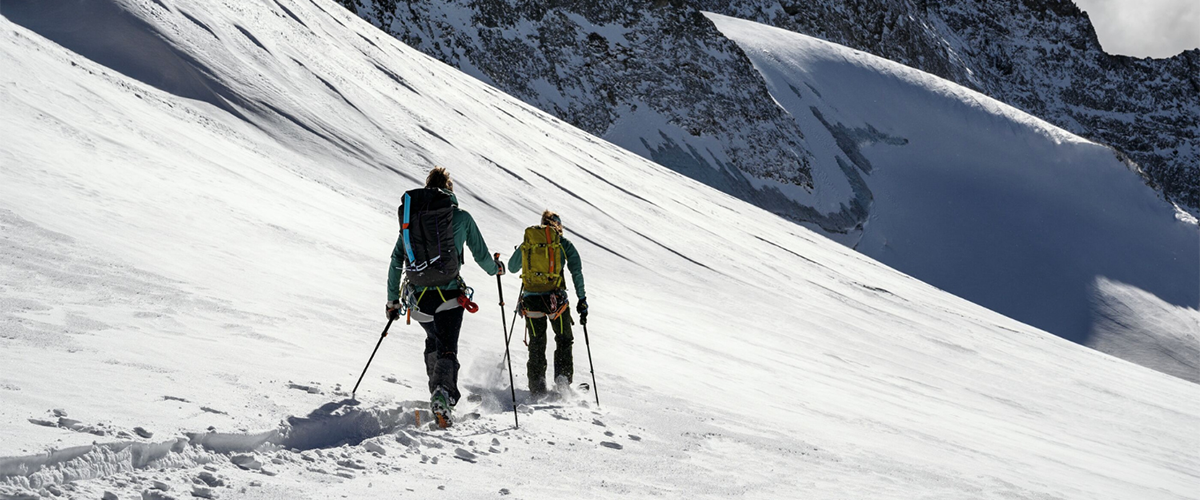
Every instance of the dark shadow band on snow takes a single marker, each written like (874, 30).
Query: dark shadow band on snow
(577, 234)
(368, 40)
(395, 78)
(781, 247)
(329, 14)
(161, 4)
(291, 14)
(342, 144)
(200, 23)
(435, 135)
(510, 115)
(568, 191)
(328, 85)
(465, 189)
(507, 171)
(619, 188)
(252, 39)
(676, 252)
(404, 175)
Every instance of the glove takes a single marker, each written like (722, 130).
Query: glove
(499, 265)
(582, 309)
(393, 309)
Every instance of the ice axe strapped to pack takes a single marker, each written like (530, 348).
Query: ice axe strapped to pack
(427, 227)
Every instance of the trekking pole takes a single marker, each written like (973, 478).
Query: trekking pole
(590, 365)
(508, 336)
(512, 388)
(372, 358)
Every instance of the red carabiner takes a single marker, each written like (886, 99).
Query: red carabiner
(466, 303)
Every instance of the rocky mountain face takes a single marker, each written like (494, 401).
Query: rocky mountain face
(657, 79)
(1041, 56)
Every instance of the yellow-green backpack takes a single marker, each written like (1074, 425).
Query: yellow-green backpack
(542, 259)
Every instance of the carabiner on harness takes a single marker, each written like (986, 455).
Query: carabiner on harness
(465, 294)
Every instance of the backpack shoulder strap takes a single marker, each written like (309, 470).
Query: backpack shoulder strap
(404, 222)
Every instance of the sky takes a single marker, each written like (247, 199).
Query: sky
(1145, 28)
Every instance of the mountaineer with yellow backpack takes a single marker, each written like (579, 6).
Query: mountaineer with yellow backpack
(545, 254)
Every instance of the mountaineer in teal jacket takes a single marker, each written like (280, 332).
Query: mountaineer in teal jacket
(439, 307)
(539, 306)
(465, 232)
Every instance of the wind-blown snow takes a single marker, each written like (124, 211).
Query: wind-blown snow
(193, 262)
(974, 196)
(1134, 325)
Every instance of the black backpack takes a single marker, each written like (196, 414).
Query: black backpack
(427, 225)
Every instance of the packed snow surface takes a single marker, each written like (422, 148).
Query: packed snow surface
(197, 207)
(978, 198)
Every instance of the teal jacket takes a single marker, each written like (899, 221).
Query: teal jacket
(465, 232)
(573, 264)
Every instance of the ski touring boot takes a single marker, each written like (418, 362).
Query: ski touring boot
(439, 405)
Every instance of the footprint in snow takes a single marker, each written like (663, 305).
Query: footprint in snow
(311, 389)
(393, 380)
(610, 444)
(465, 455)
(155, 495)
(209, 479)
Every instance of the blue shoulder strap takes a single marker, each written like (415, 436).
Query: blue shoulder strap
(404, 227)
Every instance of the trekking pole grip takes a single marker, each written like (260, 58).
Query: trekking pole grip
(497, 257)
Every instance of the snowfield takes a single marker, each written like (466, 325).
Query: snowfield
(197, 206)
(985, 201)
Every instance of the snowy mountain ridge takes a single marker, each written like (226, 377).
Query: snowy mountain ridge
(192, 269)
(1041, 56)
(609, 68)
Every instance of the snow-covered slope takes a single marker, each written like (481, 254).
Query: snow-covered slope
(196, 210)
(976, 197)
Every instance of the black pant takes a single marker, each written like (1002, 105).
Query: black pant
(441, 342)
(536, 328)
